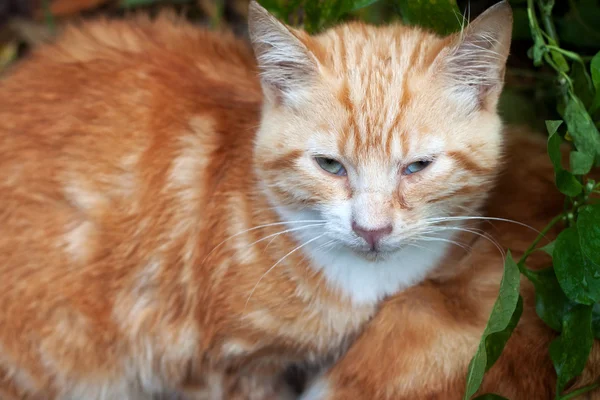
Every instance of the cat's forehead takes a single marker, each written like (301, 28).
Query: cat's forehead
(382, 83)
(377, 55)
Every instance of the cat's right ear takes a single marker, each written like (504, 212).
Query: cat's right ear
(287, 67)
(476, 64)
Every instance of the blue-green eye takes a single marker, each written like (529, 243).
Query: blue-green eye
(416, 167)
(331, 166)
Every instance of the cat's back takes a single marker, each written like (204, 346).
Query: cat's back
(114, 111)
(116, 116)
(114, 81)
(114, 139)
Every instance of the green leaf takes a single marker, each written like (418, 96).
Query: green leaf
(596, 320)
(549, 248)
(495, 342)
(577, 275)
(442, 16)
(567, 183)
(539, 44)
(553, 146)
(582, 83)
(553, 125)
(538, 49)
(595, 70)
(570, 351)
(551, 304)
(560, 61)
(588, 225)
(582, 128)
(581, 163)
(501, 319)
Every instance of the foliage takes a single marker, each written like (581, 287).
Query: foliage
(505, 315)
(315, 14)
(441, 16)
(568, 295)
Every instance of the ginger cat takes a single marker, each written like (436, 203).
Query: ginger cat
(170, 224)
(421, 341)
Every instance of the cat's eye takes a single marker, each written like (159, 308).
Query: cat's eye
(416, 167)
(331, 166)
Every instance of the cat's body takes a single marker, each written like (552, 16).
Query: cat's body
(158, 235)
(127, 165)
(421, 342)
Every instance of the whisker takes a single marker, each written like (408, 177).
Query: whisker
(278, 262)
(274, 236)
(328, 243)
(260, 227)
(482, 234)
(418, 246)
(433, 239)
(465, 218)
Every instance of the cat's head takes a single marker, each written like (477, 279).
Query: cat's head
(378, 132)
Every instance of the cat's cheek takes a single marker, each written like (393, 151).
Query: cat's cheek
(339, 214)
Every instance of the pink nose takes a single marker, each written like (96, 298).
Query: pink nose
(372, 236)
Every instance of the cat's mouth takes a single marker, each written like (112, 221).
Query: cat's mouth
(376, 254)
(373, 255)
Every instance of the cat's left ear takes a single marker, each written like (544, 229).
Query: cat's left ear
(288, 69)
(476, 62)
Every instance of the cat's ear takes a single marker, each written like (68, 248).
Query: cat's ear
(287, 67)
(476, 62)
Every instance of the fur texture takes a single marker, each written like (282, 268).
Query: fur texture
(420, 343)
(166, 227)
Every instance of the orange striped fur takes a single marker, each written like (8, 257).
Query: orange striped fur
(165, 227)
(421, 341)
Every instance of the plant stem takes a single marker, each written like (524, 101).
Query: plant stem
(580, 391)
(533, 23)
(566, 53)
(549, 24)
(542, 234)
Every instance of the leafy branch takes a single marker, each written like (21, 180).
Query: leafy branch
(567, 294)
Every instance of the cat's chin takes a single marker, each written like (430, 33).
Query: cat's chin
(374, 255)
